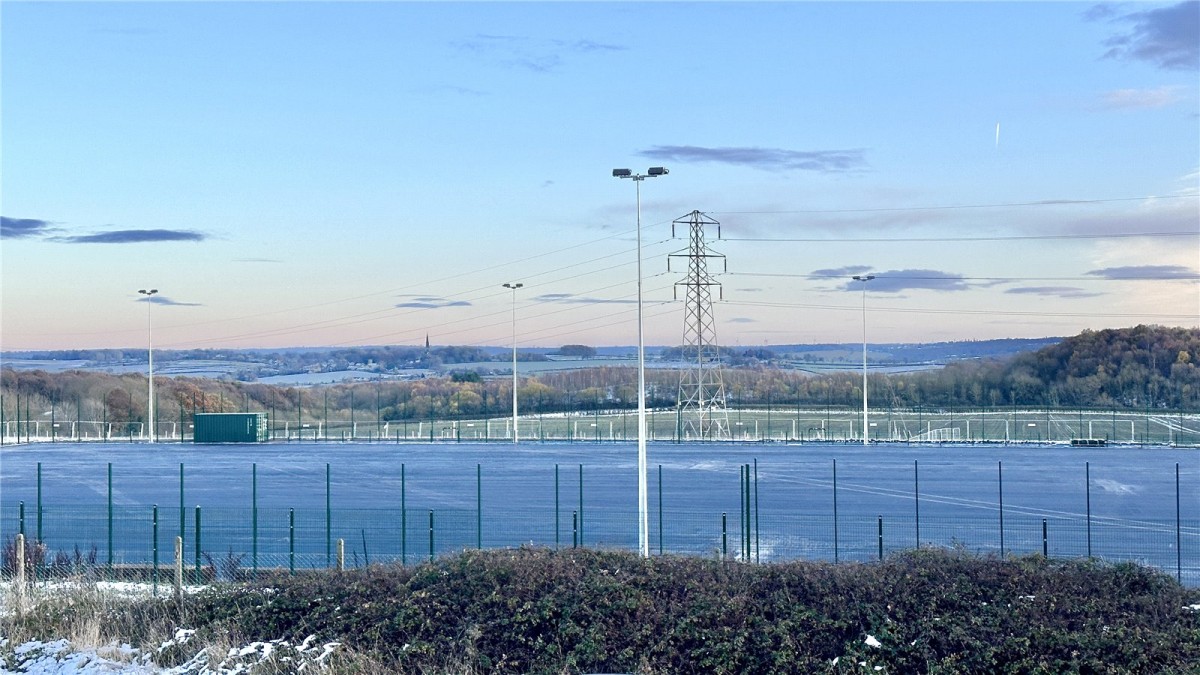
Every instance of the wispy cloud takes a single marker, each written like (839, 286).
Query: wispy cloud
(134, 237)
(1151, 215)
(896, 281)
(430, 302)
(1164, 36)
(742, 319)
(839, 272)
(1140, 99)
(21, 228)
(534, 54)
(1148, 272)
(163, 300)
(570, 299)
(771, 159)
(1054, 291)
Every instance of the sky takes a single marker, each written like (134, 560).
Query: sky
(340, 174)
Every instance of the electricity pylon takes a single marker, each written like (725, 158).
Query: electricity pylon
(702, 411)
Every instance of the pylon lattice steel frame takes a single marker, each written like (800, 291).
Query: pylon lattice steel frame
(702, 410)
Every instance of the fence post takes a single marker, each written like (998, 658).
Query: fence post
(178, 570)
(660, 511)
(19, 582)
(478, 507)
(329, 509)
(292, 541)
(154, 549)
(341, 555)
(1000, 480)
(1087, 479)
(1045, 541)
(881, 537)
(110, 522)
(254, 517)
(1178, 531)
(748, 527)
(917, 500)
(742, 469)
(574, 529)
(555, 507)
(199, 579)
(182, 508)
(581, 505)
(431, 535)
(403, 520)
(39, 502)
(21, 517)
(835, 513)
(757, 541)
(724, 538)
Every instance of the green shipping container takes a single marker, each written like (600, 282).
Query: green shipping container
(230, 428)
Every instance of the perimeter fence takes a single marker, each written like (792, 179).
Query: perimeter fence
(599, 425)
(136, 543)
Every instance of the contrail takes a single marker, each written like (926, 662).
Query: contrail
(997, 134)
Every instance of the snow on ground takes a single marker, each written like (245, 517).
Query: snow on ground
(60, 656)
(117, 590)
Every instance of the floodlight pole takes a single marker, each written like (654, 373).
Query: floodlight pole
(643, 491)
(150, 358)
(864, 279)
(514, 288)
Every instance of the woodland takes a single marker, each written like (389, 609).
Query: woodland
(1139, 368)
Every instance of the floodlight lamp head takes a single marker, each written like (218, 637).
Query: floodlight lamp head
(863, 277)
(622, 173)
(152, 291)
(657, 171)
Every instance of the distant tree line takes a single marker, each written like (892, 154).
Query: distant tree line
(1146, 367)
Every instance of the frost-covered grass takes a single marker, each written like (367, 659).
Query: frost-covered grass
(62, 656)
(119, 627)
(538, 611)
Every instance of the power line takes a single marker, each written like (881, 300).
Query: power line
(411, 287)
(1176, 277)
(388, 313)
(984, 312)
(950, 207)
(1030, 237)
(441, 328)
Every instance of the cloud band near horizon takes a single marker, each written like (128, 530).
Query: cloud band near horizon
(770, 159)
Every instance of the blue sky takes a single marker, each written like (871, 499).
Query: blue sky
(301, 174)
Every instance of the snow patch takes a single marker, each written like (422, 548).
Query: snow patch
(1116, 487)
(57, 656)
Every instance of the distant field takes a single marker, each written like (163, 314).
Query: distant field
(266, 365)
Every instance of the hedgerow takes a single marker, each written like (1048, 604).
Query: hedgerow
(541, 611)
